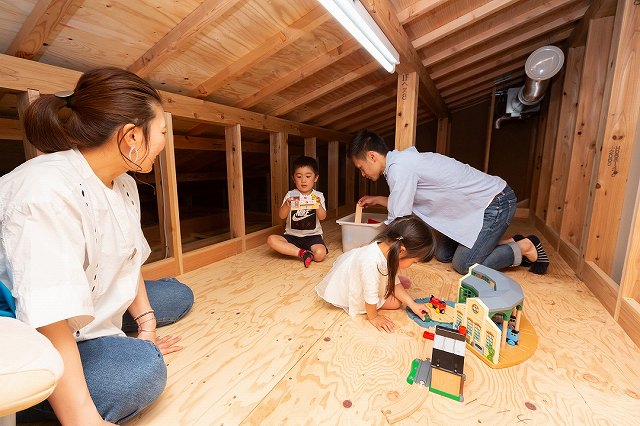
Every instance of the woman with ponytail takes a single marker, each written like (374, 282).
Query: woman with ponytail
(365, 279)
(71, 247)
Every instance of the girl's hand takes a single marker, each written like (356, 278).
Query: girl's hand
(164, 344)
(420, 309)
(383, 323)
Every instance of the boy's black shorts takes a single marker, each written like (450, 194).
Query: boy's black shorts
(305, 242)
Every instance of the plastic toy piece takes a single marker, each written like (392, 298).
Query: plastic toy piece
(447, 362)
(437, 304)
(305, 202)
(428, 335)
(420, 372)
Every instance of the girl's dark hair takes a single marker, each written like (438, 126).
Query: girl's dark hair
(417, 239)
(103, 101)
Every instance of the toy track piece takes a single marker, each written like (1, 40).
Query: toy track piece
(407, 405)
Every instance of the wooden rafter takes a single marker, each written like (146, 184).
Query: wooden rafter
(461, 96)
(356, 109)
(387, 19)
(597, 9)
(506, 70)
(491, 63)
(363, 91)
(327, 88)
(43, 19)
(181, 34)
(508, 43)
(461, 22)
(316, 17)
(419, 8)
(303, 72)
(364, 118)
(508, 26)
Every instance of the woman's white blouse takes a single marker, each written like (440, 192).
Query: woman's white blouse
(70, 248)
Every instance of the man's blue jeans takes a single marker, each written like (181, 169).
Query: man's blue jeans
(485, 251)
(126, 374)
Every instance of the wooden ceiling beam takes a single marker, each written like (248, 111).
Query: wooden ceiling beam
(508, 43)
(270, 47)
(419, 8)
(387, 19)
(327, 88)
(181, 34)
(306, 70)
(388, 108)
(488, 9)
(357, 109)
(520, 54)
(597, 9)
(363, 91)
(506, 76)
(36, 30)
(461, 97)
(212, 144)
(10, 129)
(508, 26)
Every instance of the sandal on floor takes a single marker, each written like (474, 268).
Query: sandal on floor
(539, 266)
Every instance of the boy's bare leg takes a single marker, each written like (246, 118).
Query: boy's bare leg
(281, 245)
(319, 252)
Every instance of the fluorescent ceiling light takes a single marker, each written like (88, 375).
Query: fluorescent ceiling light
(355, 18)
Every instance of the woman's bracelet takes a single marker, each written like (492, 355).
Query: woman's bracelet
(143, 314)
(147, 320)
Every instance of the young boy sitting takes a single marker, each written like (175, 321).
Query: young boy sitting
(303, 208)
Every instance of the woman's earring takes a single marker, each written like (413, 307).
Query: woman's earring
(131, 152)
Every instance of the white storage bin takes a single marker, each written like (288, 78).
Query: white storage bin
(360, 234)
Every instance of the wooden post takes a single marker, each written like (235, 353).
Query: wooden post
(24, 99)
(310, 147)
(350, 174)
(279, 176)
(334, 153)
(234, 181)
(442, 141)
(564, 139)
(487, 145)
(406, 110)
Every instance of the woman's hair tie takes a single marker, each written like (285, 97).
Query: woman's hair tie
(66, 95)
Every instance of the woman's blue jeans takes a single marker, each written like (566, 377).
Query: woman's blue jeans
(485, 251)
(126, 374)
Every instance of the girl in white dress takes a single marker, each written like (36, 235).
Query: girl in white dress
(365, 279)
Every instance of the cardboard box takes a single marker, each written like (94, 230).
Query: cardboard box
(360, 234)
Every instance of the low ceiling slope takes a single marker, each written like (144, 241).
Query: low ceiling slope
(292, 59)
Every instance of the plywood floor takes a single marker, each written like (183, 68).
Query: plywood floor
(262, 349)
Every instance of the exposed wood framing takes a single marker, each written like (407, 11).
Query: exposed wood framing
(35, 32)
(597, 9)
(279, 173)
(210, 144)
(487, 141)
(333, 154)
(24, 99)
(19, 75)
(620, 134)
(564, 139)
(592, 86)
(181, 34)
(10, 129)
(350, 181)
(310, 147)
(418, 9)
(269, 47)
(444, 132)
(234, 182)
(406, 110)
(475, 15)
(385, 16)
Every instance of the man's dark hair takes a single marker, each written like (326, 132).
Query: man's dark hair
(366, 141)
(304, 161)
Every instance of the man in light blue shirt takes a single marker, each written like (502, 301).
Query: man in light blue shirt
(469, 209)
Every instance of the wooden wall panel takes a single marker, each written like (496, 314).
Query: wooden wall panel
(592, 88)
(334, 153)
(444, 133)
(564, 139)
(279, 173)
(620, 134)
(310, 147)
(24, 99)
